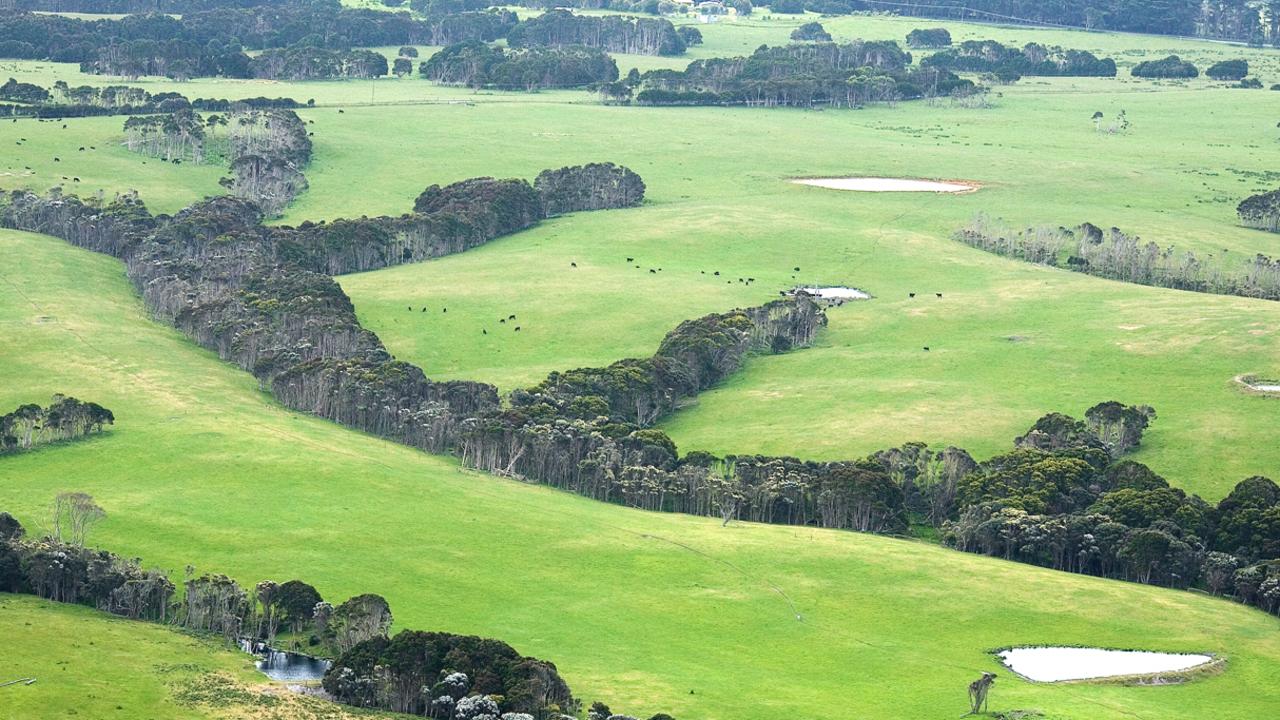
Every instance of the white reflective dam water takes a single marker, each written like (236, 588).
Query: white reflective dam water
(879, 184)
(834, 293)
(1055, 664)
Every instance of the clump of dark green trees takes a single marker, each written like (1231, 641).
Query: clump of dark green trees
(1167, 67)
(65, 418)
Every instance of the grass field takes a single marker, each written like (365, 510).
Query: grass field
(636, 608)
(672, 613)
(718, 200)
(92, 665)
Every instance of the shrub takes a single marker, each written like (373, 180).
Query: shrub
(1228, 70)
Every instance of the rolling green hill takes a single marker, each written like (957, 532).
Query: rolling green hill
(650, 612)
(671, 613)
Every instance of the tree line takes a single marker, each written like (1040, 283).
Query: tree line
(65, 418)
(1240, 20)
(303, 40)
(132, 7)
(1065, 499)
(613, 33)
(266, 149)
(801, 75)
(63, 101)
(1010, 63)
(477, 64)
(263, 298)
(1116, 255)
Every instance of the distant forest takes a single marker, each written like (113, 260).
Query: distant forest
(1255, 21)
(1243, 20)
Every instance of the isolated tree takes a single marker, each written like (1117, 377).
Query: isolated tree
(72, 515)
(401, 67)
(1097, 120)
(408, 51)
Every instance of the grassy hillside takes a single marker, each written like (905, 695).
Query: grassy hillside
(89, 664)
(1007, 342)
(650, 612)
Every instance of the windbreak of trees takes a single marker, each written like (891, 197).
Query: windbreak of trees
(63, 101)
(179, 135)
(266, 149)
(65, 418)
(613, 33)
(302, 62)
(477, 64)
(1064, 499)
(459, 27)
(802, 75)
(595, 186)
(1033, 59)
(263, 297)
(1115, 255)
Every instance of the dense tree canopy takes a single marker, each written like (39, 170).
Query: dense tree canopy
(476, 64)
(446, 676)
(1168, 67)
(1228, 70)
(65, 418)
(1032, 59)
(640, 36)
(1261, 211)
(929, 38)
(804, 75)
(811, 32)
